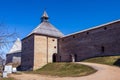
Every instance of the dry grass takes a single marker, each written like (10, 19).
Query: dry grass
(109, 60)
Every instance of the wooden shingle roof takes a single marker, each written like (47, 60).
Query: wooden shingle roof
(46, 28)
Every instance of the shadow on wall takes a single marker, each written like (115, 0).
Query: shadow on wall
(117, 63)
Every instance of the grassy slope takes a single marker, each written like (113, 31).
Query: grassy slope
(64, 70)
(109, 60)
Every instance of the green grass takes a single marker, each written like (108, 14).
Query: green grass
(109, 60)
(64, 70)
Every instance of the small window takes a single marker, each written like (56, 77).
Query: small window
(55, 47)
(105, 28)
(53, 40)
(73, 36)
(87, 32)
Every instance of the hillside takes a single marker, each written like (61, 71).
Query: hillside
(64, 70)
(109, 60)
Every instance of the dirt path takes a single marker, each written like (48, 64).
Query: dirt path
(104, 72)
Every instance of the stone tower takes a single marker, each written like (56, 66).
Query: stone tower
(40, 45)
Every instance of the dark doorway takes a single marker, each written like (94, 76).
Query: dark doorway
(54, 57)
(75, 57)
(102, 49)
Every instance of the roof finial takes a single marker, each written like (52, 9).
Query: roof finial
(44, 16)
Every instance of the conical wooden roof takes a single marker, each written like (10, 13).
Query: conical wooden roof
(46, 28)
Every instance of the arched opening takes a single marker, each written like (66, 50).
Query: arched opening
(102, 49)
(54, 57)
(75, 57)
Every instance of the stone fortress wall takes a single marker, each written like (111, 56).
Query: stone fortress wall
(37, 50)
(103, 40)
(27, 55)
(44, 48)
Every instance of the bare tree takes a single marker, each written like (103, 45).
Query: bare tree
(6, 38)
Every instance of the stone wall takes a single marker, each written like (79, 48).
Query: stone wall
(27, 56)
(101, 41)
(44, 48)
(13, 58)
(52, 48)
(40, 51)
(37, 50)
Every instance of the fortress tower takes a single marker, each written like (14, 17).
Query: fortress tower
(40, 45)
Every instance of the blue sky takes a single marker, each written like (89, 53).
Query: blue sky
(68, 16)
